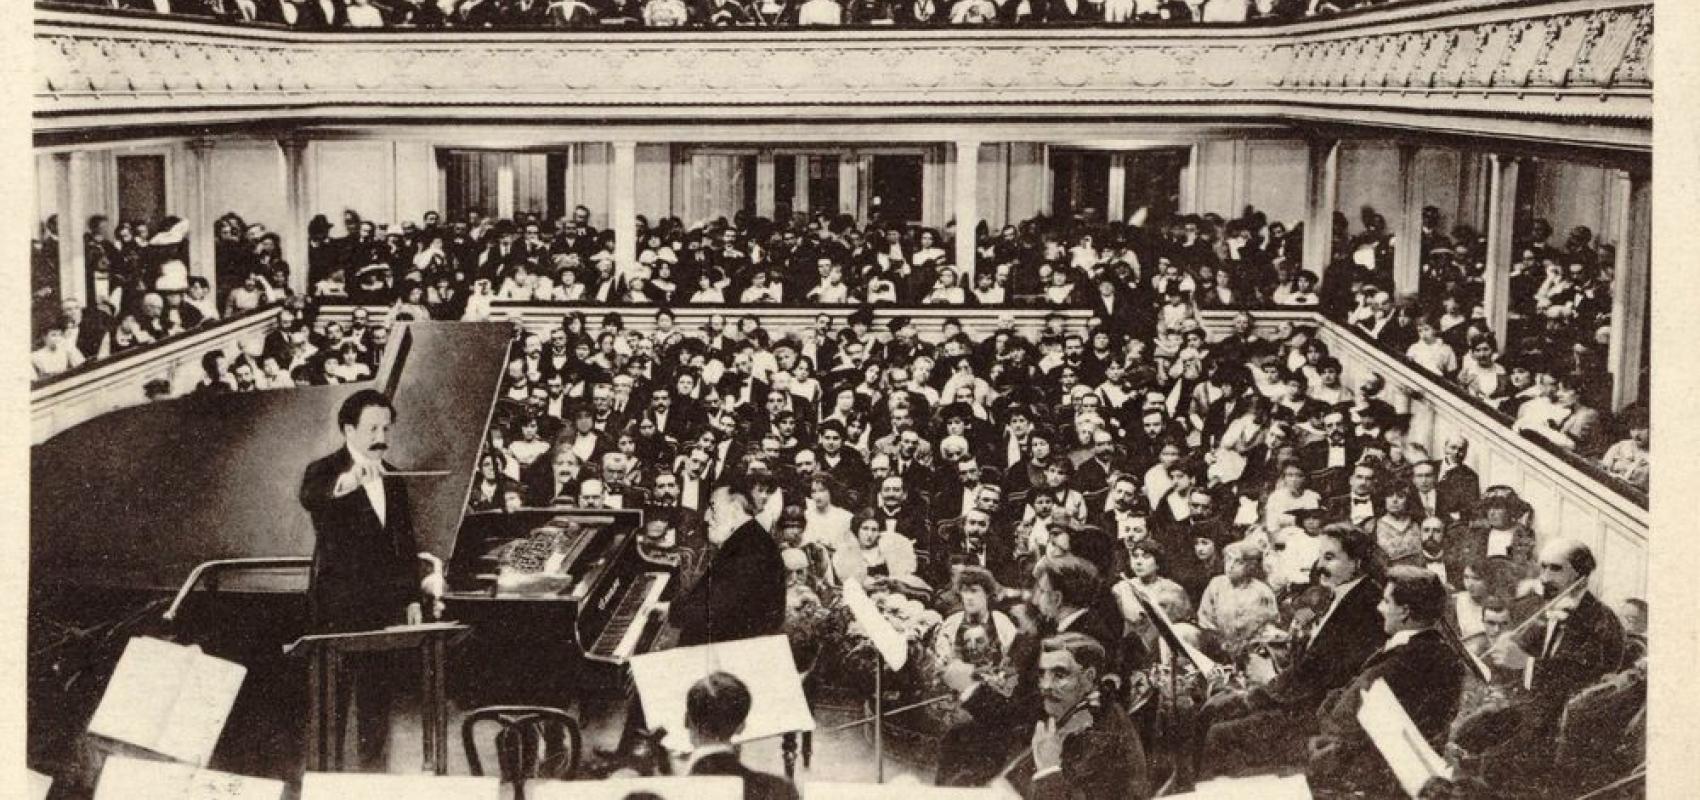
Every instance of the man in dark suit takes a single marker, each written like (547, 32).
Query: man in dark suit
(1330, 460)
(365, 573)
(715, 710)
(742, 593)
(1068, 597)
(1085, 747)
(1457, 480)
(1360, 504)
(1581, 642)
(1268, 725)
(1422, 668)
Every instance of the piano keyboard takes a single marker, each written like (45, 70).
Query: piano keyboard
(619, 638)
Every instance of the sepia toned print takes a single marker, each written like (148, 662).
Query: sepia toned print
(648, 398)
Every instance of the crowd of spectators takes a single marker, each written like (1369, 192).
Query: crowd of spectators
(1019, 485)
(476, 14)
(1549, 374)
(138, 277)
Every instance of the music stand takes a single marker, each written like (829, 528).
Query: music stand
(324, 654)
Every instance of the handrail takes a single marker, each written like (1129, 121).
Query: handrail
(1433, 382)
(211, 569)
(99, 387)
(118, 359)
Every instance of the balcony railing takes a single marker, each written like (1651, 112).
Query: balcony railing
(1463, 66)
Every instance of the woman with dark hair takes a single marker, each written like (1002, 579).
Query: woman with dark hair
(1398, 530)
(957, 637)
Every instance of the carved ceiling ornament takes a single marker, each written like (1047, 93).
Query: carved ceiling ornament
(87, 65)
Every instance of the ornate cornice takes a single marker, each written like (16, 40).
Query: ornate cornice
(1583, 62)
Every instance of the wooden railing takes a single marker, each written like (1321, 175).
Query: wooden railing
(95, 388)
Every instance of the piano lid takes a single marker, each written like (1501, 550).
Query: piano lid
(138, 497)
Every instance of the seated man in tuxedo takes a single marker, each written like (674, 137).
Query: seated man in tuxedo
(715, 710)
(1268, 725)
(1085, 747)
(1420, 664)
(1580, 642)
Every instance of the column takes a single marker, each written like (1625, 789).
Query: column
(624, 216)
(68, 209)
(1630, 288)
(849, 184)
(800, 188)
(1321, 196)
(1188, 200)
(967, 187)
(201, 250)
(766, 204)
(1408, 229)
(505, 186)
(1115, 207)
(297, 193)
(1502, 206)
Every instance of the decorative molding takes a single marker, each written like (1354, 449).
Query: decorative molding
(1586, 62)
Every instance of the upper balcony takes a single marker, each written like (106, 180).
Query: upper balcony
(1565, 71)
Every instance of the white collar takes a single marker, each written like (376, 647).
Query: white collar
(1401, 638)
(708, 750)
(361, 458)
(1062, 624)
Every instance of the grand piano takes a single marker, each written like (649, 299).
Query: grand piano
(190, 505)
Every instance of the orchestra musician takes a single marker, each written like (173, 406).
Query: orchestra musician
(1266, 725)
(741, 594)
(1574, 642)
(1085, 747)
(366, 559)
(1422, 666)
(716, 708)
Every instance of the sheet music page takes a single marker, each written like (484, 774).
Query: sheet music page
(1252, 787)
(39, 785)
(826, 790)
(357, 786)
(204, 700)
(138, 700)
(125, 778)
(683, 787)
(1407, 753)
(763, 663)
(891, 645)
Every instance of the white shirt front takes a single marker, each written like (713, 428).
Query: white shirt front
(374, 488)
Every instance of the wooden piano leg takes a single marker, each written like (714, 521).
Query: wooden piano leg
(428, 707)
(334, 713)
(788, 749)
(440, 690)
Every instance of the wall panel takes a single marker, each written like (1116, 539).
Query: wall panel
(1277, 174)
(247, 178)
(655, 182)
(356, 175)
(1369, 176)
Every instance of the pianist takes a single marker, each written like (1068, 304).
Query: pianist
(742, 592)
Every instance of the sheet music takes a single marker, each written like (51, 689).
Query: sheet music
(891, 645)
(1253, 787)
(823, 790)
(763, 663)
(685, 787)
(359, 786)
(168, 698)
(125, 778)
(1167, 628)
(39, 785)
(1407, 753)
